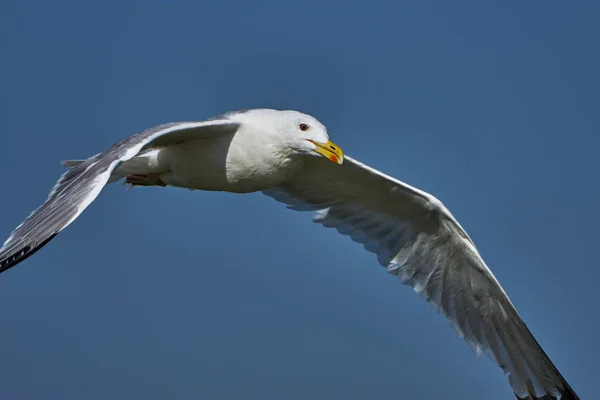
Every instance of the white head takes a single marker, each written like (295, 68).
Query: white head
(296, 131)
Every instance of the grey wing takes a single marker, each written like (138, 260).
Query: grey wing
(80, 185)
(418, 240)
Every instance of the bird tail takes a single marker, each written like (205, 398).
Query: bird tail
(145, 163)
(73, 163)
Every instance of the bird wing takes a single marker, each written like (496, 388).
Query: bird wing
(81, 184)
(418, 240)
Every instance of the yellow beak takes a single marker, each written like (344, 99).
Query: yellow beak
(330, 151)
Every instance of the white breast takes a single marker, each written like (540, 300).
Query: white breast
(239, 162)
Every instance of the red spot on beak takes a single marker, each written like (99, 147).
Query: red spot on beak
(333, 158)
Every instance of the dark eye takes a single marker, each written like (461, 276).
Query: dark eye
(303, 127)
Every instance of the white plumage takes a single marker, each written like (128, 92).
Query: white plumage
(288, 155)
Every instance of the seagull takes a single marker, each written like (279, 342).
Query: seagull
(288, 156)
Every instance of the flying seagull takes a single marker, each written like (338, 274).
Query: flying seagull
(288, 156)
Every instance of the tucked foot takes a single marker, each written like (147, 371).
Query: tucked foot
(144, 180)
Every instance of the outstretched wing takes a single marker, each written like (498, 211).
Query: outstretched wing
(80, 185)
(418, 240)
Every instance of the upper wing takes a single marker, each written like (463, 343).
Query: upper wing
(417, 239)
(79, 186)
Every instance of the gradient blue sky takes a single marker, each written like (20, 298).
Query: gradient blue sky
(492, 106)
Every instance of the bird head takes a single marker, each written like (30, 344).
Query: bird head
(307, 135)
(291, 132)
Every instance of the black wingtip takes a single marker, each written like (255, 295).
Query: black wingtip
(22, 254)
(569, 393)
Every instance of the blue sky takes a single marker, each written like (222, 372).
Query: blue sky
(166, 293)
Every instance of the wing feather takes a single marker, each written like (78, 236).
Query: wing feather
(82, 183)
(418, 240)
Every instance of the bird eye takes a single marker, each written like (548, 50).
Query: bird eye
(303, 127)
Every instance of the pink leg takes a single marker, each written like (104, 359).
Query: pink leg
(145, 180)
